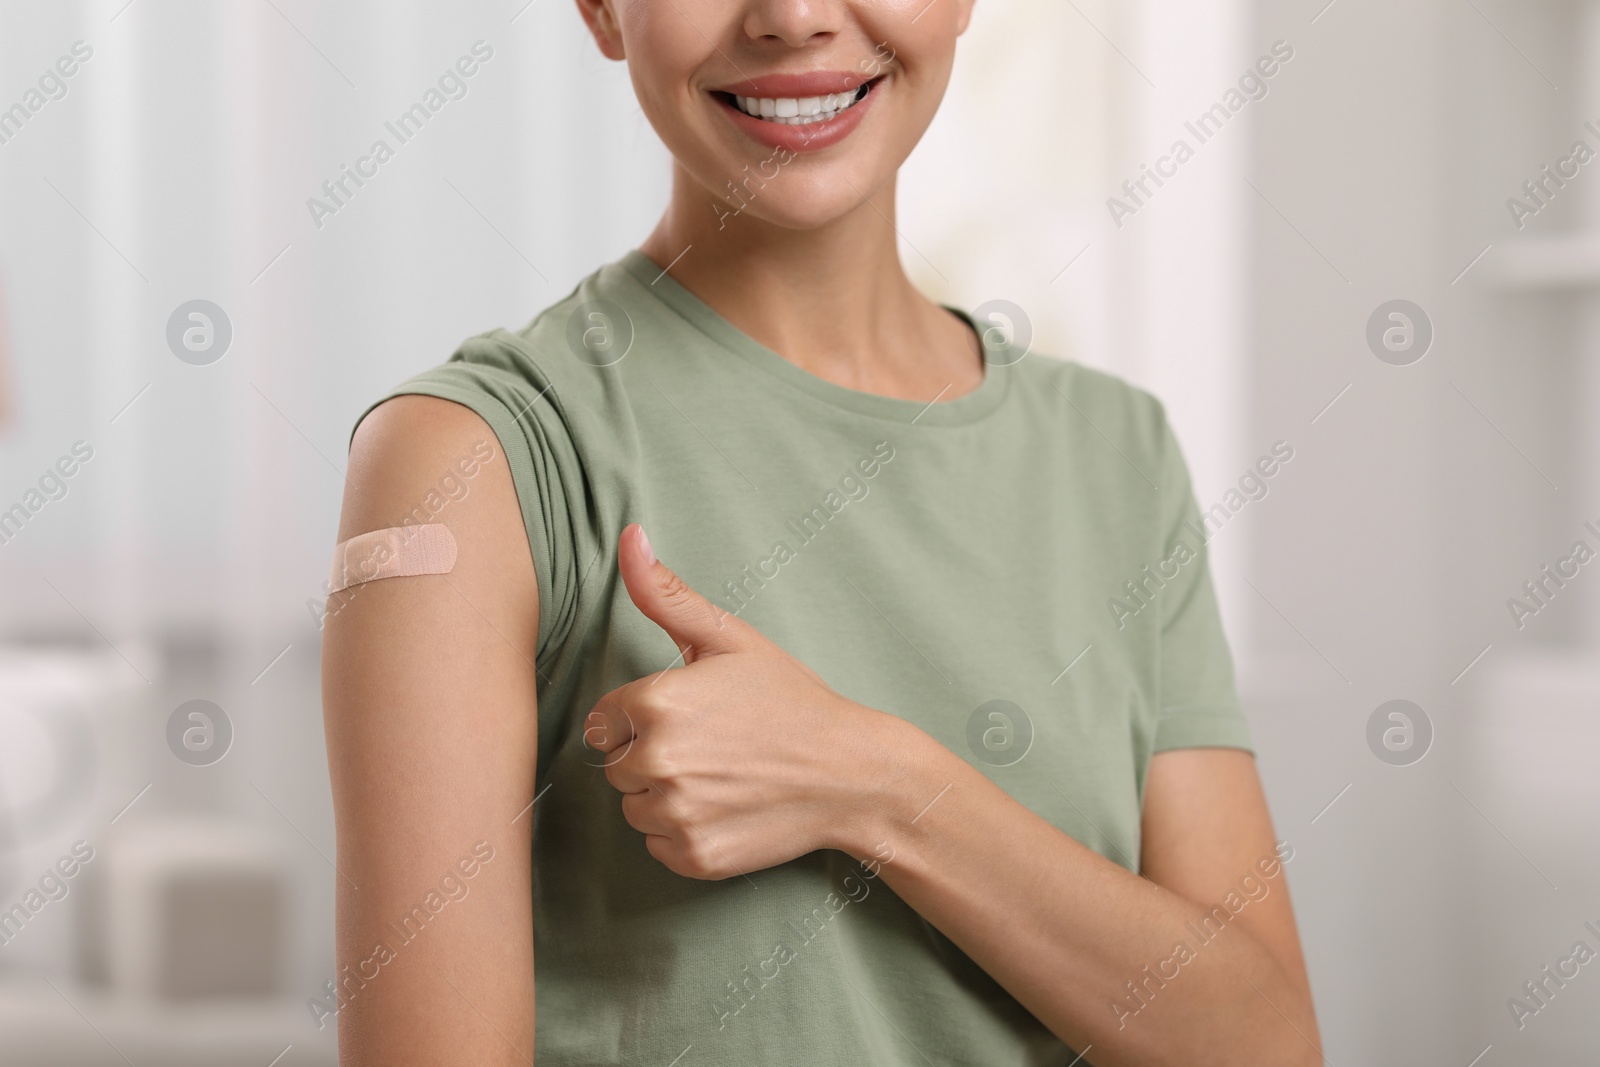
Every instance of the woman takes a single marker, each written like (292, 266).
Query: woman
(872, 772)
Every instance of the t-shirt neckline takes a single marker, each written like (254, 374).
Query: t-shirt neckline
(964, 409)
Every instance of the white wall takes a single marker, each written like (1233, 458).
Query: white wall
(1419, 503)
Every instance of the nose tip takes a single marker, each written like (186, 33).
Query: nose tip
(796, 23)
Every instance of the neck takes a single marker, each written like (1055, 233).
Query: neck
(834, 299)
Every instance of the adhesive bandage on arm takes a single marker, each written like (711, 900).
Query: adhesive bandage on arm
(398, 552)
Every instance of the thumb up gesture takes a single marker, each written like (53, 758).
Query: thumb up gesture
(743, 758)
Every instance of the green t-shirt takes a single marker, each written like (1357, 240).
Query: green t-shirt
(945, 562)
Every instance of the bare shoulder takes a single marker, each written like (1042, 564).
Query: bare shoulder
(418, 460)
(420, 456)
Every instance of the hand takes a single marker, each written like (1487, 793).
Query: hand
(741, 759)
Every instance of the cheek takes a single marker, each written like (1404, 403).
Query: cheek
(665, 51)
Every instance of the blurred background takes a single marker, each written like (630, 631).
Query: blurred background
(185, 345)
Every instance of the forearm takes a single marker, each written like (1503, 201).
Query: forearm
(744, 759)
(1069, 933)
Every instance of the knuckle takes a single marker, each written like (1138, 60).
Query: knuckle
(670, 691)
(657, 846)
(700, 860)
(676, 590)
(682, 815)
(647, 762)
(665, 764)
(690, 855)
(660, 756)
(633, 812)
(653, 700)
(669, 852)
(617, 774)
(617, 777)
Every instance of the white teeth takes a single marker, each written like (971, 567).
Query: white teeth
(789, 111)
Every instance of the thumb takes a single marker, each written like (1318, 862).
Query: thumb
(697, 626)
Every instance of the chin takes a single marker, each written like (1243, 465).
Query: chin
(796, 202)
(789, 189)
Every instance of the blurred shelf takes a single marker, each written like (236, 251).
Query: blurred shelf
(76, 1026)
(1569, 678)
(1546, 264)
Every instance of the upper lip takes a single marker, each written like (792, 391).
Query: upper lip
(799, 86)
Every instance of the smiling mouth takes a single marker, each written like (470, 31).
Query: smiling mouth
(803, 111)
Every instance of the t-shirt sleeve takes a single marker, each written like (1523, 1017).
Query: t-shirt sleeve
(494, 376)
(1199, 705)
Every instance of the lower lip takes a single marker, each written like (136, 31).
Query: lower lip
(813, 137)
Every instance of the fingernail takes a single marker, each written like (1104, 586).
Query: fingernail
(644, 543)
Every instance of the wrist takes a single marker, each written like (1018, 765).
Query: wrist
(893, 764)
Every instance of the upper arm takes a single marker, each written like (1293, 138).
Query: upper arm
(429, 708)
(1206, 832)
